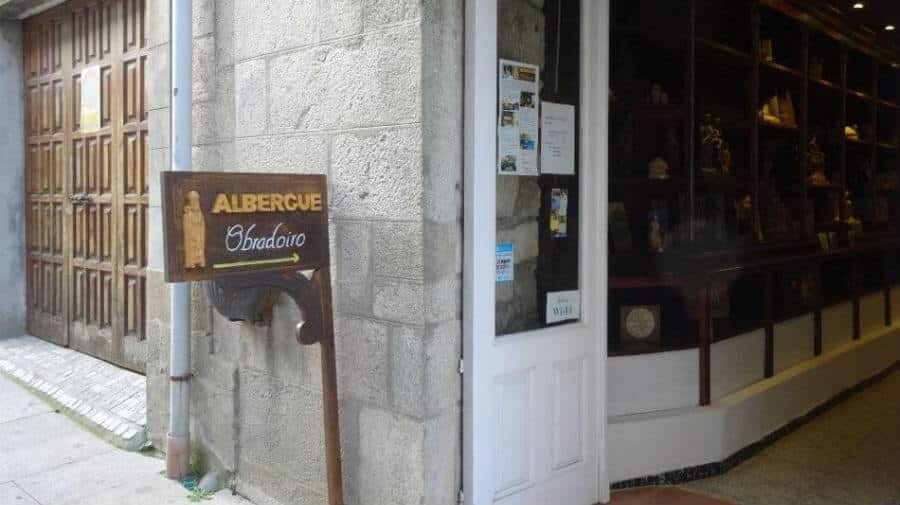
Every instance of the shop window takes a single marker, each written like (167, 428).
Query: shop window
(753, 169)
(537, 281)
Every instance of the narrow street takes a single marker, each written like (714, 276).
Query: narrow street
(48, 459)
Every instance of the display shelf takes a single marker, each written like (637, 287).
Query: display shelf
(729, 54)
(833, 81)
(782, 69)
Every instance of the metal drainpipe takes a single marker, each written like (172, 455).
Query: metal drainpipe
(178, 442)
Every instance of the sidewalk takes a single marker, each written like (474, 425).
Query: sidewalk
(104, 397)
(47, 459)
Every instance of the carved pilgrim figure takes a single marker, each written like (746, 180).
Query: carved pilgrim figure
(194, 228)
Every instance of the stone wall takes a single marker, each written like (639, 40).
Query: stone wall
(12, 182)
(368, 92)
(520, 38)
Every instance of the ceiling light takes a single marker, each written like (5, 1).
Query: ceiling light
(890, 28)
(859, 5)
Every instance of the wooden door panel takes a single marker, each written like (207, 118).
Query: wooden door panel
(45, 177)
(87, 190)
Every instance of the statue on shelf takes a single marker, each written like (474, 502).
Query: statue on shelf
(658, 169)
(816, 158)
(715, 155)
(770, 112)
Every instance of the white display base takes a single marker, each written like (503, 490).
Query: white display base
(651, 443)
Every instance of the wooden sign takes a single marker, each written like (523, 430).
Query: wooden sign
(255, 230)
(219, 224)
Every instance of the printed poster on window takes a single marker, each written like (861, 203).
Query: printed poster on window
(90, 99)
(518, 118)
(557, 139)
(505, 262)
(559, 212)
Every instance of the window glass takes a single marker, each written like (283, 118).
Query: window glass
(754, 169)
(537, 164)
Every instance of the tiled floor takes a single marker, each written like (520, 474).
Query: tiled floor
(662, 496)
(849, 455)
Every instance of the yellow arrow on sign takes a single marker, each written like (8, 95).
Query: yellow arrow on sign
(294, 258)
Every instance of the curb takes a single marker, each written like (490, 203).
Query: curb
(118, 431)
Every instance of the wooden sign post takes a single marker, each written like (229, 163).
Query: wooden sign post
(261, 230)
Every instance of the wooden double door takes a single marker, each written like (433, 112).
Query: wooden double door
(86, 184)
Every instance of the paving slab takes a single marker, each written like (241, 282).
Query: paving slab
(48, 459)
(11, 494)
(97, 393)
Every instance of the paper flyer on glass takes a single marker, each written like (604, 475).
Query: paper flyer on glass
(557, 139)
(518, 118)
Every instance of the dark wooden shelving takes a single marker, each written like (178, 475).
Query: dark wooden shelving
(784, 69)
(724, 74)
(735, 56)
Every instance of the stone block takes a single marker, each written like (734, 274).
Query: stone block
(354, 280)
(528, 200)
(363, 359)
(385, 12)
(507, 192)
(398, 300)
(443, 299)
(408, 371)
(214, 427)
(377, 174)
(159, 78)
(207, 157)
(204, 122)
(443, 349)
(273, 349)
(365, 81)
(266, 27)
(340, 18)
(158, 124)
(158, 26)
(398, 249)
(280, 435)
(391, 458)
(224, 29)
(250, 97)
(443, 243)
(524, 237)
(204, 68)
(442, 458)
(155, 247)
(442, 174)
(302, 154)
(204, 15)
(160, 161)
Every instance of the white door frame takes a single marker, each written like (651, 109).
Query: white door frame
(480, 230)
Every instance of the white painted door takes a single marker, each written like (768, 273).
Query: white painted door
(534, 402)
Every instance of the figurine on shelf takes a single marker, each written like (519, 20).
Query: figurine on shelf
(816, 158)
(724, 157)
(851, 132)
(769, 113)
(715, 155)
(658, 169)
